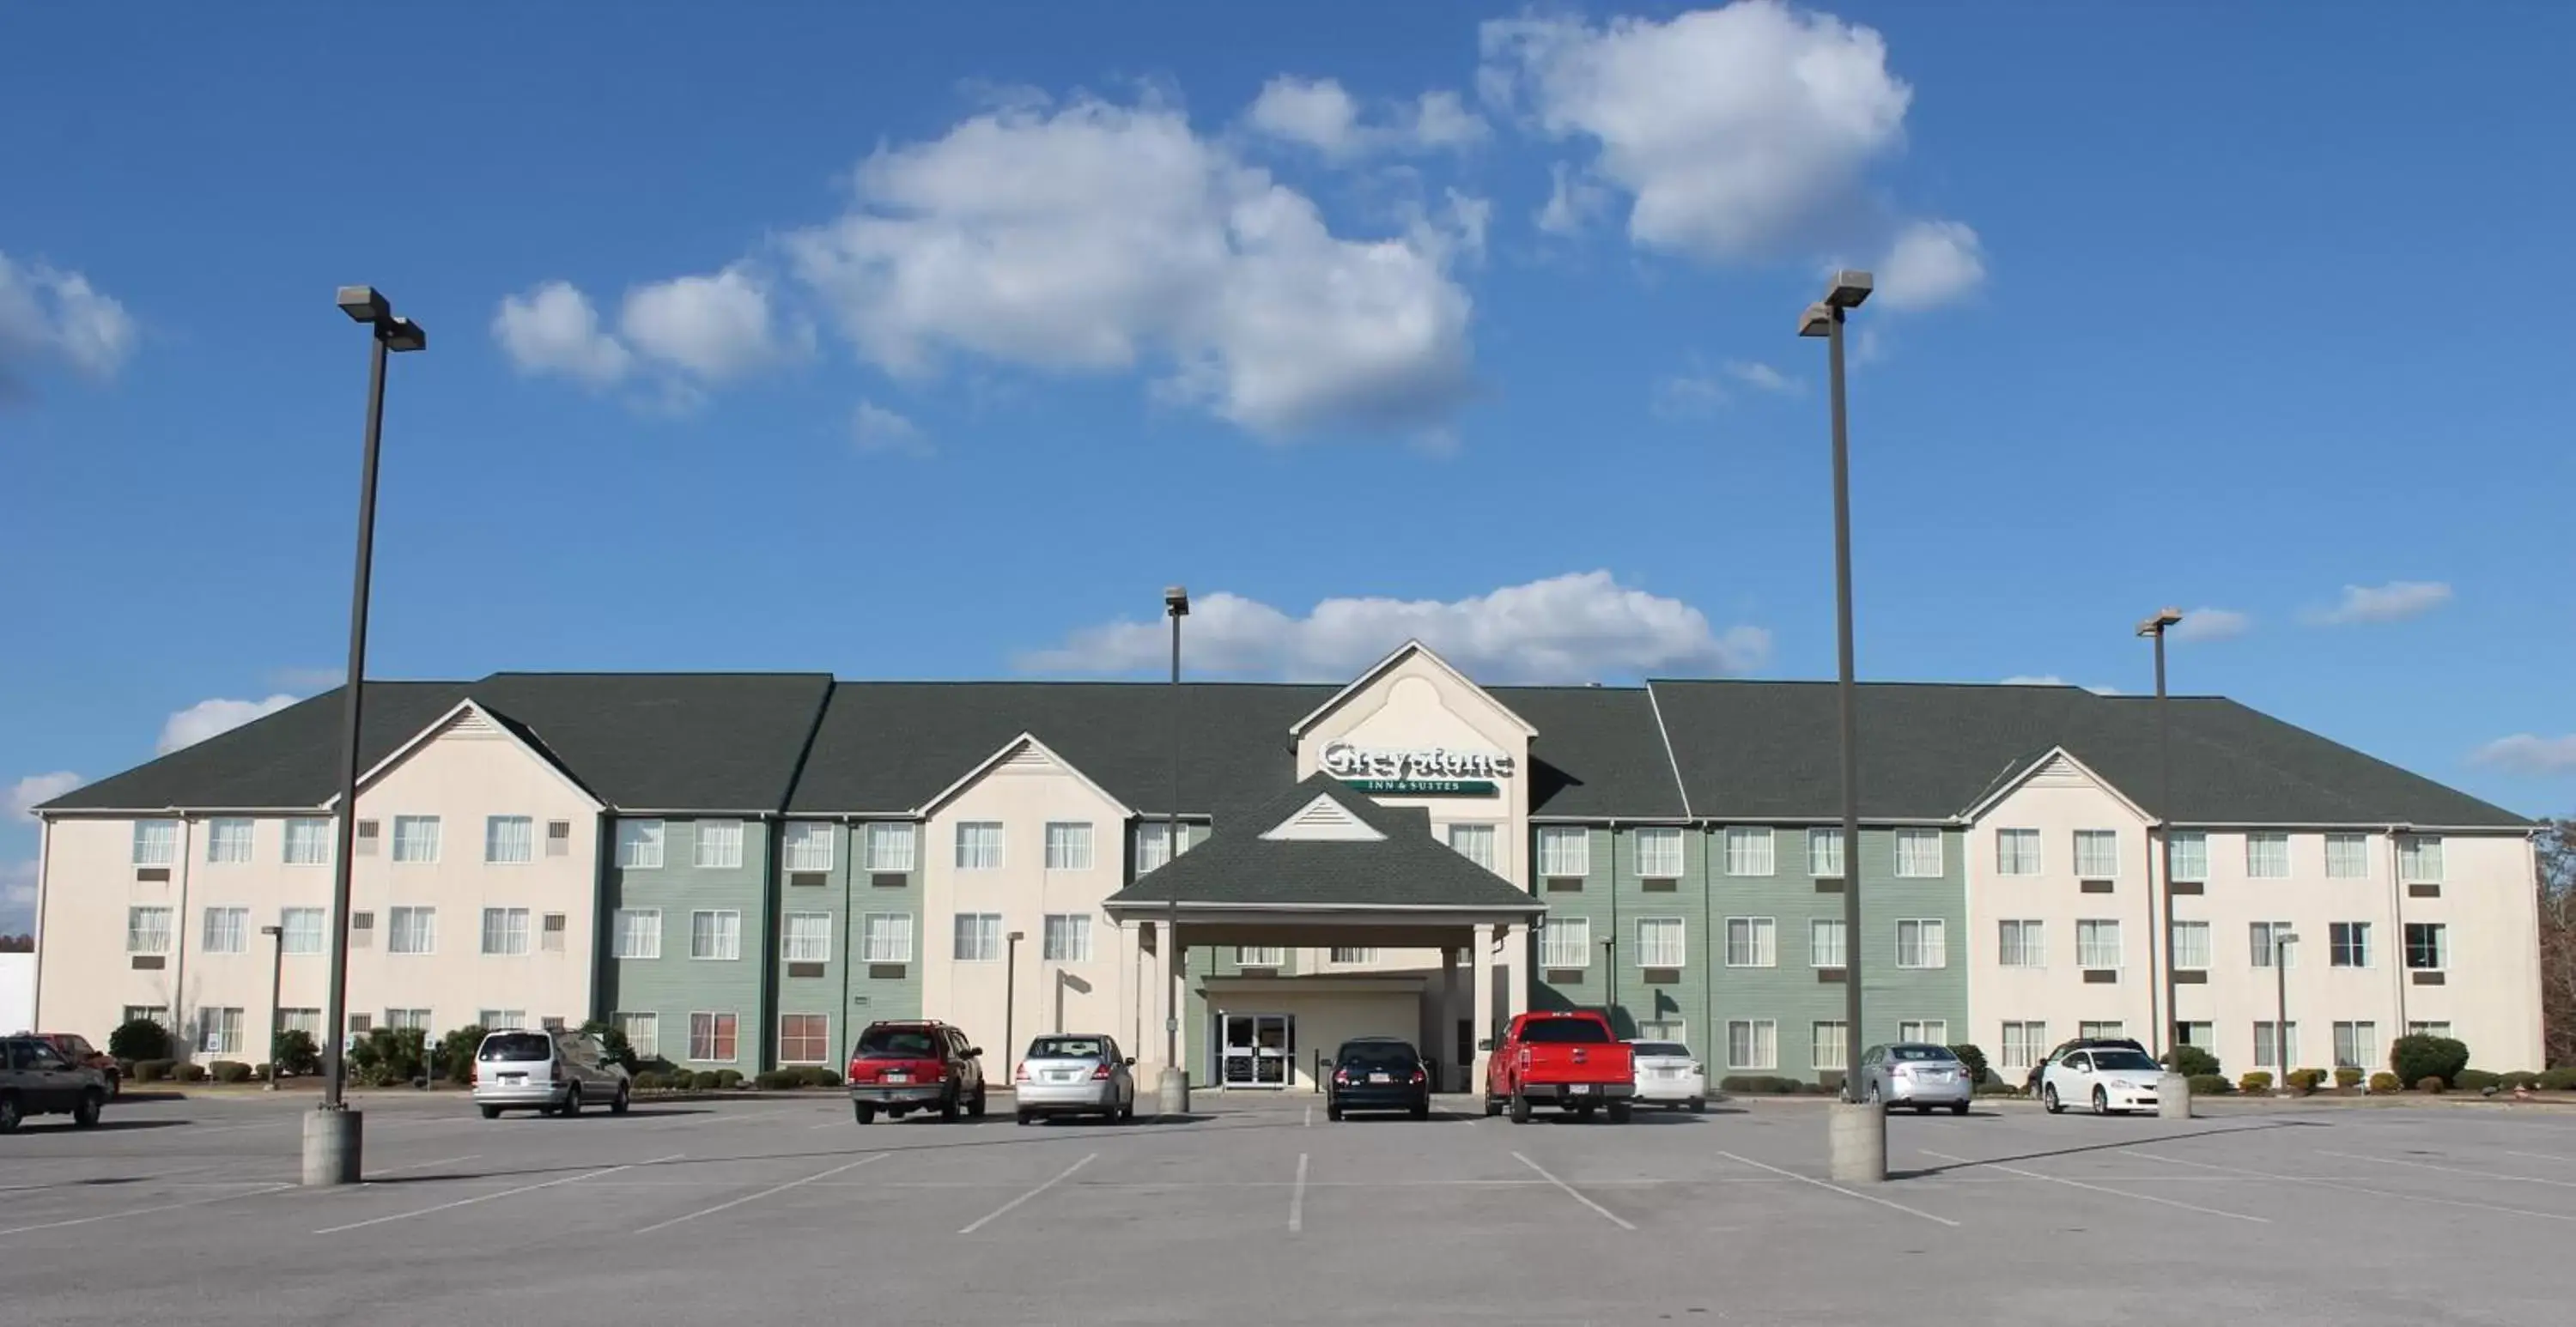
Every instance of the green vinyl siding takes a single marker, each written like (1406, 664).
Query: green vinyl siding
(674, 986)
(878, 991)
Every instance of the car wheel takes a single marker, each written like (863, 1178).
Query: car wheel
(1958, 1108)
(1619, 1112)
(2101, 1102)
(1127, 1110)
(865, 1113)
(975, 1107)
(1028, 1117)
(617, 1104)
(85, 1112)
(1698, 1106)
(2048, 1099)
(9, 1115)
(1872, 1098)
(948, 1108)
(1422, 1110)
(572, 1101)
(1333, 1113)
(491, 1112)
(1520, 1109)
(115, 1086)
(1493, 1106)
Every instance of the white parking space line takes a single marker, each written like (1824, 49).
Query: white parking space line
(142, 1211)
(2356, 1188)
(1297, 1199)
(2454, 1170)
(1848, 1193)
(2096, 1188)
(1310, 1115)
(2541, 1156)
(755, 1197)
(421, 1165)
(1571, 1192)
(1014, 1205)
(485, 1198)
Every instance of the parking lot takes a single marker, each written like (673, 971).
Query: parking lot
(1263, 1211)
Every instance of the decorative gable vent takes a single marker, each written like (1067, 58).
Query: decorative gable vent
(1026, 760)
(1324, 820)
(472, 723)
(2059, 772)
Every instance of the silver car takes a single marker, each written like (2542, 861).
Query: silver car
(1917, 1074)
(1068, 1074)
(556, 1072)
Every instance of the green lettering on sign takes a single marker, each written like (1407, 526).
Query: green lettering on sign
(1422, 787)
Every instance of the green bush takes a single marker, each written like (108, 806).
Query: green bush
(2384, 1081)
(779, 1080)
(1761, 1085)
(229, 1071)
(259, 1073)
(139, 1039)
(1996, 1090)
(2306, 1080)
(190, 1073)
(293, 1052)
(2518, 1079)
(613, 1042)
(2432, 1083)
(2347, 1077)
(816, 1075)
(388, 1055)
(2562, 1079)
(2418, 1057)
(728, 1079)
(456, 1053)
(2210, 1085)
(705, 1080)
(2255, 1080)
(2192, 1062)
(1973, 1057)
(152, 1071)
(2475, 1080)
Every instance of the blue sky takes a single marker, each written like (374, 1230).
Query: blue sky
(911, 342)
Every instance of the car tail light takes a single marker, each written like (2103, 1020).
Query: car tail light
(1525, 1057)
(1101, 1074)
(1020, 1073)
(1419, 1076)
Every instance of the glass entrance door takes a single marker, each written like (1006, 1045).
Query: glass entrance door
(1257, 1050)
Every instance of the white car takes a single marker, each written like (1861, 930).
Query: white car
(1669, 1075)
(2106, 1079)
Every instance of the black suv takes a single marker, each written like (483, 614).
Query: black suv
(2030, 1084)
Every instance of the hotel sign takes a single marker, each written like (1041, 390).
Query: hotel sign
(1423, 772)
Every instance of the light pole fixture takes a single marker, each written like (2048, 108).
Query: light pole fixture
(2167, 1037)
(1859, 1137)
(276, 961)
(2281, 942)
(1174, 1089)
(333, 1133)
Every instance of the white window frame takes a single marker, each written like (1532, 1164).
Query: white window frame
(1917, 837)
(640, 844)
(1064, 937)
(886, 937)
(890, 847)
(423, 935)
(2021, 942)
(2438, 1027)
(2201, 945)
(726, 940)
(156, 843)
(643, 1032)
(2347, 857)
(806, 846)
(1353, 956)
(1760, 942)
(1828, 945)
(2260, 951)
(2441, 933)
(303, 931)
(418, 840)
(814, 947)
(2018, 851)
(824, 1058)
(1749, 851)
(307, 841)
(2360, 1035)
(1565, 943)
(1153, 843)
(724, 836)
(2257, 864)
(715, 1022)
(508, 933)
(1828, 1045)
(2104, 1029)
(2022, 1044)
(236, 849)
(1473, 841)
(1825, 852)
(1931, 943)
(1068, 845)
(219, 1030)
(983, 945)
(1927, 1031)
(1670, 945)
(1260, 956)
(971, 842)
(2086, 952)
(2102, 847)
(2190, 848)
(2280, 1063)
(497, 843)
(632, 923)
(1754, 1032)
(1564, 851)
(226, 930)
(2419, 859)
(2358, 934)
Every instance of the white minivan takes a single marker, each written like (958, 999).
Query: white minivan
(552, 1071)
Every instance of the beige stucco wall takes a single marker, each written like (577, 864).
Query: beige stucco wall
(2057, 805)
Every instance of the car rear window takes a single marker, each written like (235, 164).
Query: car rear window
(1067, 1048)
(1564, 1032)
(1668, 1049)
(899, 1044)
(1919, 1053)
(516, 1046)
(1377, 1053)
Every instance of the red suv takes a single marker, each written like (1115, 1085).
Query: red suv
(74, 1047)
(899, 1068)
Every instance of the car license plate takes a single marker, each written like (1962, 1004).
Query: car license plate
(514, 1078)
(898, 1076)
(1063, 1077)
(1380, 1078)
(1580, 1089)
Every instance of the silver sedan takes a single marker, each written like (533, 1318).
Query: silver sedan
(1917, 1074)
(1075, 1075)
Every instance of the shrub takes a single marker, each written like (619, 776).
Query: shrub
(2518, 1079)
(229, 1071)
(190, 1073)
(818, 1076)
(2560, 1080)
(705, 1080)
(2418, 1057)
(2192, 1062)
(1997, 1090)
(151, 1071)
(2474, 1080)
(2211, 1085)
(2256, 1080)
(456, 1052)
(293, 1052)
(2384, 1081)
(259, 1073)
(2431, 1083)
(779, 1080)
(388, 1055)
(1973, 1057)
(140, 1039)
(2306, 1080)
(728, 1079)
(2347, 1077)
(1761, 1085)
(612, 1041)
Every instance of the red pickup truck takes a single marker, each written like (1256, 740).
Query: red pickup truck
(1570, 1060)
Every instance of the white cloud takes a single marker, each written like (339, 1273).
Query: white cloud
(52, 315)
(2393, 602)
(207, 718)
(1931, 263)
(716, 327)
(1092, 237)
(1733, 129)
(1321, 114)
(1762, 377)
(1697, 393)
(2212, 624)
(876, 429)
(28, 793)
(2039, 680)
(1573, 628)
(1573, 200)
(2528, 753)
(554, 329)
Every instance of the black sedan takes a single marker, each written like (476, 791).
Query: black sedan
(1378, 1073)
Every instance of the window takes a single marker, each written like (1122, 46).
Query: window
(1068, 846)
(2268, 1055)
(1153, 844)
(1825, 943)
(639, 845)
(2017, 852)
(308, 842)
(636, 933)
(505, 930)
(1936, 1031)
(2203, 1035)
(219, 1031)
(711, 1038)
(2348, 944)
(886, 936)
(715, 935)
(306, 1021)
(2106, 1030)
(362, 930)
(719, 845)
(1748, 850)
(2419, 858)
(2435, 1029)
(1752, 1044)
(1260, 956)
(1566, 942)
(1660, 942)
(411, 931)
(2097, 854)
(808, 845)
(156, 843)
(2097, 943)
(979, 845)
(2267, 856)
(1825, 852)
(2428, 946)
(228, 841)
(1066, 937)
(978, 938)
(1564, 850)
(2356, 1045)
(2024, 1044)
(643, 1033)
(1476, 844)
(303, 930)
(2191, 945)
(2190, 855)
(889, 847)
(2021, 944)
(1345, 955)
(1828, 1047)
(808, 938)
(2263, 940)
(227, 930)
(361, 1024)
(1923, 944)
(416, 839)
(417, 1019)
(1918, 853)
(804, 1038)
(2347, 857)
(1750, 943)
(509, 839)
(550, 933)
(488, 1019)
(1674, 1030)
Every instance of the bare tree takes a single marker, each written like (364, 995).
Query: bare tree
(2558, 939)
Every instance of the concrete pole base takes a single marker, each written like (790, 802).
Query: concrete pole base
(333, 1146)
(1858, 1142)
(1172, 1091)
(2173, 1097)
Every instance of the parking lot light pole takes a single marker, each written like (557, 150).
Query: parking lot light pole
(1173, 1091)
(1011, 995)
(276, 961)
(2281, 942)
(333, 1134)
(2171, 1086)
(1859, 1129)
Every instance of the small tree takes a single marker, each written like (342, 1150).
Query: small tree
(2192, 1062)
(456, 1052)
(612, 1041)
(1973, 1057)
(2418, 1057)
(292, 1051)
(140, 1039)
